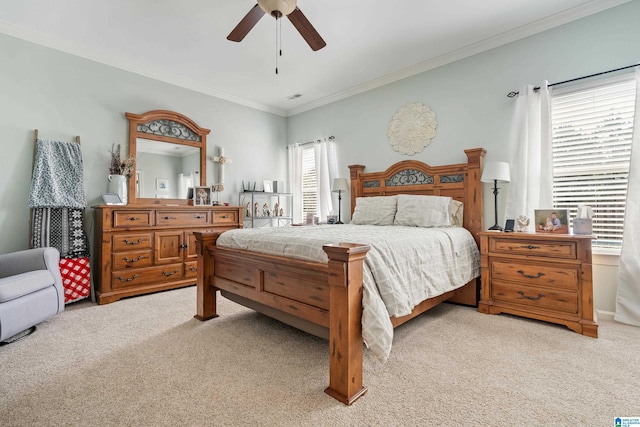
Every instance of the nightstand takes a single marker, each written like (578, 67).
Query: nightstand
(540, 276)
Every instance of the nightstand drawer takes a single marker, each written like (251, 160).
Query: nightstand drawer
(535, 274)
(554, 249)
(533, 296)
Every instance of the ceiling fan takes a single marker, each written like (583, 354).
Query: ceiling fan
(278, 9)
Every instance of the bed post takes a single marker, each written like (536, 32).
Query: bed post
(345, 269)
(206, 292)
(474, 194)
(356, 184)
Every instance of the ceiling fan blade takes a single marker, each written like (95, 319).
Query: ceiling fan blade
(306, 30)
(247, 23)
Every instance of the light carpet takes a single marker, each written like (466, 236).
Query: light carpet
(145, 361)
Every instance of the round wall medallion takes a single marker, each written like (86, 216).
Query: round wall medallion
(412, 128)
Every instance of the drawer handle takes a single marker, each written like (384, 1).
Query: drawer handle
(129, 242)
(164, 273)
(223, 216)
(199, 216)
(531, 276)
(169, 217)
(531, 298)
(134, 260)
(184, 246)
(530, 247)
(133, 218)
(193, 269)
(122, 279)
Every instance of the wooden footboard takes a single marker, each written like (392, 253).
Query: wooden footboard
(328, 295)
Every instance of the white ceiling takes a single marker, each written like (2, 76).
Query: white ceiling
(369, 43)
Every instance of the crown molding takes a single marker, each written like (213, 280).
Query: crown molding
(75, 49)
(92, 55)
(539, 26)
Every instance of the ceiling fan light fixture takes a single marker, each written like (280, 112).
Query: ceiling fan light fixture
(277, 8)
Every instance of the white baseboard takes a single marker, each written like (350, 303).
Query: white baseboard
(605, 315)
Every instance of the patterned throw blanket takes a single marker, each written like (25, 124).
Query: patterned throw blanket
(404, 266)
(57, 176)
(57, 200)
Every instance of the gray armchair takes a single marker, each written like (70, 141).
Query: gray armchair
(30, 289)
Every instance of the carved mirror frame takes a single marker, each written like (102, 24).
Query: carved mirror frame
(165, 126)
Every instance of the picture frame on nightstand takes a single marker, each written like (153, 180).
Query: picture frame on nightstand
(555, 221)
(509, 225)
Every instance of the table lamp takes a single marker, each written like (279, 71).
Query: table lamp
(339, 185)
(496, 172)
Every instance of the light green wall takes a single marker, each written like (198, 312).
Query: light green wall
(63, 96)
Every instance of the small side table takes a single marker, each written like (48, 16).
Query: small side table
(540, 276)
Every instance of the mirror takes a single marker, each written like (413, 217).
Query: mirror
(170, 151)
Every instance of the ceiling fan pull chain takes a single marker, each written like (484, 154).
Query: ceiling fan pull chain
(277, 47)
(280, 35)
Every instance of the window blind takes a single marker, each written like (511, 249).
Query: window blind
(592, 127)
(309, 182)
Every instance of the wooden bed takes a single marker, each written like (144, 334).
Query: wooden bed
(326, 299)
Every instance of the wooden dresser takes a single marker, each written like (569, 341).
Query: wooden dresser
(540, 276)
(142, 249)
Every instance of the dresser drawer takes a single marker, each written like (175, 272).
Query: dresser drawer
(554, 249)
(535, 274)
(533, 296)
(182, 218)
(225, 217)
(130, 242)
(135, 277)
(191, 269)
(126, 219)
(134, 259)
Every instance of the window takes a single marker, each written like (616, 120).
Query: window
(309, 182)
(592, 127)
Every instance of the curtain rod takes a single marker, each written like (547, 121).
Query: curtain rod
(329, 138)
(513, 94)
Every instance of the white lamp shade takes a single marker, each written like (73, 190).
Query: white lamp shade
(339, 184)
(496, 171)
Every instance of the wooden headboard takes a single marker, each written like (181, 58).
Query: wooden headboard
(458, 181)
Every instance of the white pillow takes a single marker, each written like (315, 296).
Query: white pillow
(423, 211)
(456, 211)
(379, 210)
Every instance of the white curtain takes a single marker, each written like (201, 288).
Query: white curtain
(295, 180)
(628, 299)
(531, 185)
(326, 170)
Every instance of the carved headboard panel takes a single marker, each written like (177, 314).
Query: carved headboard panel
(459, 181)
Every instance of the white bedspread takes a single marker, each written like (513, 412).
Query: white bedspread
(405, 265)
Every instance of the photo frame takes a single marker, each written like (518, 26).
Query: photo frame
(509, 225)
(202, 196)
(162, 184)
(112, 199)
(267, 186)
(555, 221)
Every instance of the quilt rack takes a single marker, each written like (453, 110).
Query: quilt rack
(63, 227)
